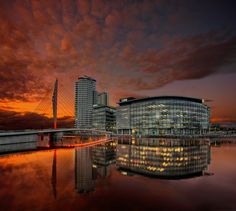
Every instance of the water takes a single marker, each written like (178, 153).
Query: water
(122, 175)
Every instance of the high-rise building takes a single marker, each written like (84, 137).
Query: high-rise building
(103, 99)
(85, 98)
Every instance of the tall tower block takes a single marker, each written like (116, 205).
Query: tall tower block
(85, 98)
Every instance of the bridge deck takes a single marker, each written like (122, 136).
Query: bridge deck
(31, 132)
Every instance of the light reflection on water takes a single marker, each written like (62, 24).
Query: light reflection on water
(92, 178)
(172, 158)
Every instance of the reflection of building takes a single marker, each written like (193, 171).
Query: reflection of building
(85, 98)
(91, 163)
(103, 156)
(104, 118)
(164, 115)
(84, 172)
(164, 157)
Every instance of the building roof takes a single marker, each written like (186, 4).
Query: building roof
(86, 77)
(97, 106)
(126, 101)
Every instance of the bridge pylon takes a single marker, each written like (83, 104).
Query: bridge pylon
(54, 104)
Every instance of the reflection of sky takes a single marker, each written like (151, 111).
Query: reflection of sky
(26, 184)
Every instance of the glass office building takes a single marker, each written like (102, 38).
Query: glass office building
(164, 115)
(163, 157)
(104, 118)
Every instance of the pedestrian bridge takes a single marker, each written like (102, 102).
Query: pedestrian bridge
(28, 139)
(53, 131)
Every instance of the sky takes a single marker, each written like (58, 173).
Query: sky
(131, 47)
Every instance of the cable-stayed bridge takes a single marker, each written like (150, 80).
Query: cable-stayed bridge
(59, 104)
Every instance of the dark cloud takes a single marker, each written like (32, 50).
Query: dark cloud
(18, 80)
(11, 120)
(131, 45)
(184, 58)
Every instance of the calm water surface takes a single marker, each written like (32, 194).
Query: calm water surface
(121, 176)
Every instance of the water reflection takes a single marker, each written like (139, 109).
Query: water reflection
(91, 163)
(54, 174)
(81, 178)
(84, 171)
(167, 158)
(102, 157)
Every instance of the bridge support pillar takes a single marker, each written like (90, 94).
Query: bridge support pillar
(57, 136)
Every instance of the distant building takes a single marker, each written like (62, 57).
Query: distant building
(104, 117)
(85, 98)
(164, 115)
(103, 99)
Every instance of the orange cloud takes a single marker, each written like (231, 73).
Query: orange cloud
(125, 45)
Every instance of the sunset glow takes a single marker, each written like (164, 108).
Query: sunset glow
(132, 48)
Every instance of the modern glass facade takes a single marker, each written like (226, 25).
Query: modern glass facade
(164, 157)
(162, 116)
(85, 98)
(104, 118)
